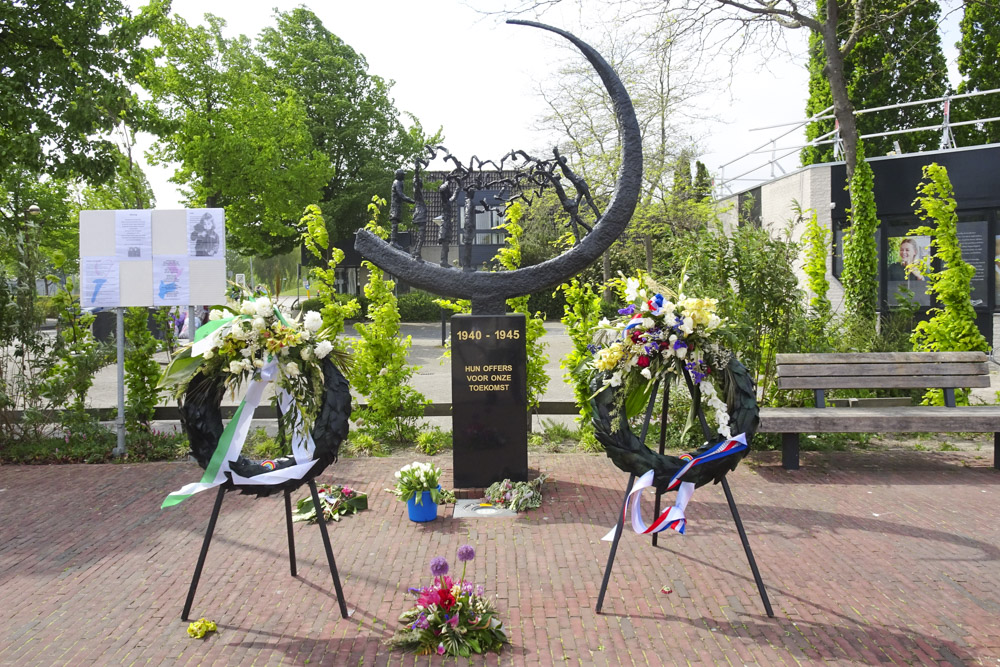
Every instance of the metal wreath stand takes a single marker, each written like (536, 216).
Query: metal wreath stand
(201, 418)
(720, 476)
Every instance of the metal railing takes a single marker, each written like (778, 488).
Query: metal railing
(723, 187)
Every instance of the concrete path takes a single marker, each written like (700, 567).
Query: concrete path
(869, 558)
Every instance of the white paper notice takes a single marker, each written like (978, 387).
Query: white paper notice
(99, 282)
(206, 230)
(171, 281)
(133, 234)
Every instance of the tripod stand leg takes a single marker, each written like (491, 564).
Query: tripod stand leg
(291, 535)
(614, 545)
(746, 547)
(663, 444)
(203, 554)
(329, 550)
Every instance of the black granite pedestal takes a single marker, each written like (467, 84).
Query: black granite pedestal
(489, 397)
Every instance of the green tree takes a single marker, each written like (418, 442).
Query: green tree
(240, 144)
(702, 182)
(952, 327)
(349, 114)
(860, 274)
(509, 259)
(380, 370)
(979, 65)
(899, 60)
(65, 70)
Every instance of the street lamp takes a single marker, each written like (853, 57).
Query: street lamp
(34, 210)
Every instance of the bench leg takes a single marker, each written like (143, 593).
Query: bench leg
(996, 451)
(790, 451)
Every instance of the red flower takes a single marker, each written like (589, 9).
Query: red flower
(642, 361)
(445, 599)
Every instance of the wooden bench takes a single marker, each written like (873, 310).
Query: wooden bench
(890, 370)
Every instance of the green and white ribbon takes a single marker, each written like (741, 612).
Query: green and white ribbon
(234, 435)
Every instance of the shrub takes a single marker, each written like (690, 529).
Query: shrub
(433, 440)
(418, 306)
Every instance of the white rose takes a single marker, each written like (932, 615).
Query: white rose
(247, 365)
(246, 352)
(681, 352)
(398, 474)
(216, 314)
(208, 354)
(258, 324)
(247, 308)
(306, 353)
(291, 369)
(313, 321)
(324, 348)
(259, 363)
(688, 325)
(263, 307)
(646, 373)
(235, 367)
(284, 351)
(384, 371)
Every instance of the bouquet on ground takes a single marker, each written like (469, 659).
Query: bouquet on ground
(450, 617)
(337, 501)
(415, 478)
(660, 333)
(516, 496)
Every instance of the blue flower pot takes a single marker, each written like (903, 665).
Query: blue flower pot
(427, 510)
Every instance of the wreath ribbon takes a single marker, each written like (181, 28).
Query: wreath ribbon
(673, 517)
(235, 434)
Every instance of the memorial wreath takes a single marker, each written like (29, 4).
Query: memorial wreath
(668, 336)
(251, 342)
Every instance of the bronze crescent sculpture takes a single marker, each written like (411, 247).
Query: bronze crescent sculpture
(489, 291)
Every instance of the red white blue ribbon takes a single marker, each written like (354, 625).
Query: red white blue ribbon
(673, 518)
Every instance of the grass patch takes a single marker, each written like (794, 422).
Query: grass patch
(95, 445)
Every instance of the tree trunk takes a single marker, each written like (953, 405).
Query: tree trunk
(843, 110)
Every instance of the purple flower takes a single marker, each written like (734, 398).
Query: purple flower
(452, 621)
(439, 566)
(466, 553)
(421, 623)
(627, 310)
(480, 591)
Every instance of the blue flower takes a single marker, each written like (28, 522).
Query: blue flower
(627, 310)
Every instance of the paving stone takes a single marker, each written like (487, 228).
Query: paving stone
(868, 557)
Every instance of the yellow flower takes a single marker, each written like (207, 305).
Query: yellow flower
(608, 357)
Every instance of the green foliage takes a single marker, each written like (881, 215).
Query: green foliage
(581, 315)
(76, 355)
(860, 274)
(509, 258)
(979, 65)
(433, 440)
(751, 273)
(67, 68)
(348, 113)
(241, 143)
(333, 306)
(363, 444)
(87, 441)
(418, 306)
(952, 327)
(893, 61)
(142, 372)
(380, 370)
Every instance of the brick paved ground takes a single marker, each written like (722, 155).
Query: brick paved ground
(868, 557)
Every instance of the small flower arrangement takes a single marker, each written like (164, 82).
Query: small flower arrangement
(415, 478)
(660, 333)
(201, 627)
(450, 617)
(516, 496)
(251, 337)
(337, 501)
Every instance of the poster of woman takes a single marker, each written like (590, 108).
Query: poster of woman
(905, 270)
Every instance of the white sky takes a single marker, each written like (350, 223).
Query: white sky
(476, 77)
